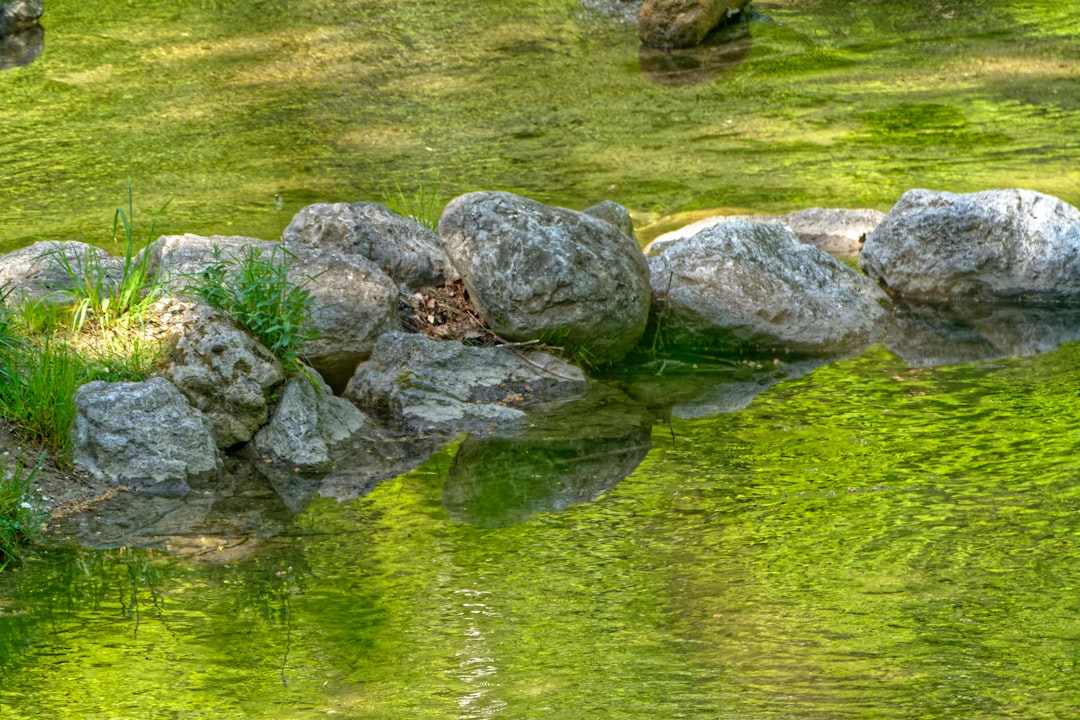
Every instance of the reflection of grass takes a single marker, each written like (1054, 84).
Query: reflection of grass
(20, 519)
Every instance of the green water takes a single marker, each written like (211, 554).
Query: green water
(221, 106)
(867, 541)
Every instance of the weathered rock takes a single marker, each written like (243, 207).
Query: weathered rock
(753, 288)
(615, 214)
(21, 48)
(682, 23)
(18, 15)
(535, 271)
(180, 260)
(142, 435)
(36, 272)
(309, 426)
(221, 370)
(998, 244)
(836, 231)
(401, 247)
(417, 384)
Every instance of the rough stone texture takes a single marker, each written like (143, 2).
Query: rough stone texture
(998, 244)
(615, 214)
(22, 47)
(353, 302)
(36, 273)
(417, 384)
(18, 15)
(142, 435)
(402, 248)
(221, 370)
(836, 231)
(535, 271)
(308, 426)
(682, 23)
(754, 288)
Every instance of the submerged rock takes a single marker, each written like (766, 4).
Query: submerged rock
(998, 244)
(536, 271)
(21, 48)
(143, 435)
(682, 23)
(416, 384)
(753, 288)
(18, 15)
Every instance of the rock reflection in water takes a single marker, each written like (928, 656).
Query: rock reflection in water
(940, 334)
(721, 51)
(21, 48)
(570, 455)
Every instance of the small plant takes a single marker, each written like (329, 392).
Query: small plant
(37, 398)
(422, 205)
(20, 519)
(255, 290)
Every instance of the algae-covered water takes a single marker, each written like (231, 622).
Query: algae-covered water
(222, 106)
(859, 539)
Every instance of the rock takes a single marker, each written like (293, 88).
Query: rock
(615, 214)
(682, 23)
(220, 368)
(21, 48)
(416, 384)
(36, 272)
(353, 302)
(402, 248)
(717, 54)
(753, 288)
(998, 244)
(535, 271)
(836, 231)
(142, 435)
(308, 426)
(18, 15)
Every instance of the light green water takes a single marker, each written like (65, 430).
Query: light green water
(865, 541)
(220, 106)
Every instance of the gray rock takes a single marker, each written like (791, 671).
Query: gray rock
(417, 384)
(401, 247)
(309, 426)
(753, 288)
(615, 214)
(18, 15)
(682, 23)
(179, 260)
(21, 48)
(221, 369)
(36, 272)
(535, 271)
(143, 435)
(998, 244)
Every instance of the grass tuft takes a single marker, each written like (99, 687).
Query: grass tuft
(20, 518)
(422, 205)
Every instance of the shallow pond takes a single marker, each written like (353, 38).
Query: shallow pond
(870, 538)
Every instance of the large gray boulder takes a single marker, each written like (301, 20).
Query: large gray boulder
(993, 245)
(143, 435)
(309, 426)
(536, 271)
(416, 384)
(179, 260)
(682, 23)
(18, 15)
(401, 247)
(37, 272)
(221, 370)
(753, 288)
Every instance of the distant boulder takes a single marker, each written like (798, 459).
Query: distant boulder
(992, 245)
(540, 272)
(753, 288)
(682, 23)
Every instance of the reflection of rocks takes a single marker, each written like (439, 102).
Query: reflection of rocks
(932, 335)
(559, 461)
(369, 463)
(721, 51)
(21, 48)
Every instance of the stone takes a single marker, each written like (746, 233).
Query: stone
(539, 272)
(180, 260)
(144, 436)
(36, 272)
(21, 48)
(752, 288)
(991, 245)
(309, 425)
(615, 214)
(401, 247)
(18, 15)
(682, 23)
(418, 385)
(220, 368)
